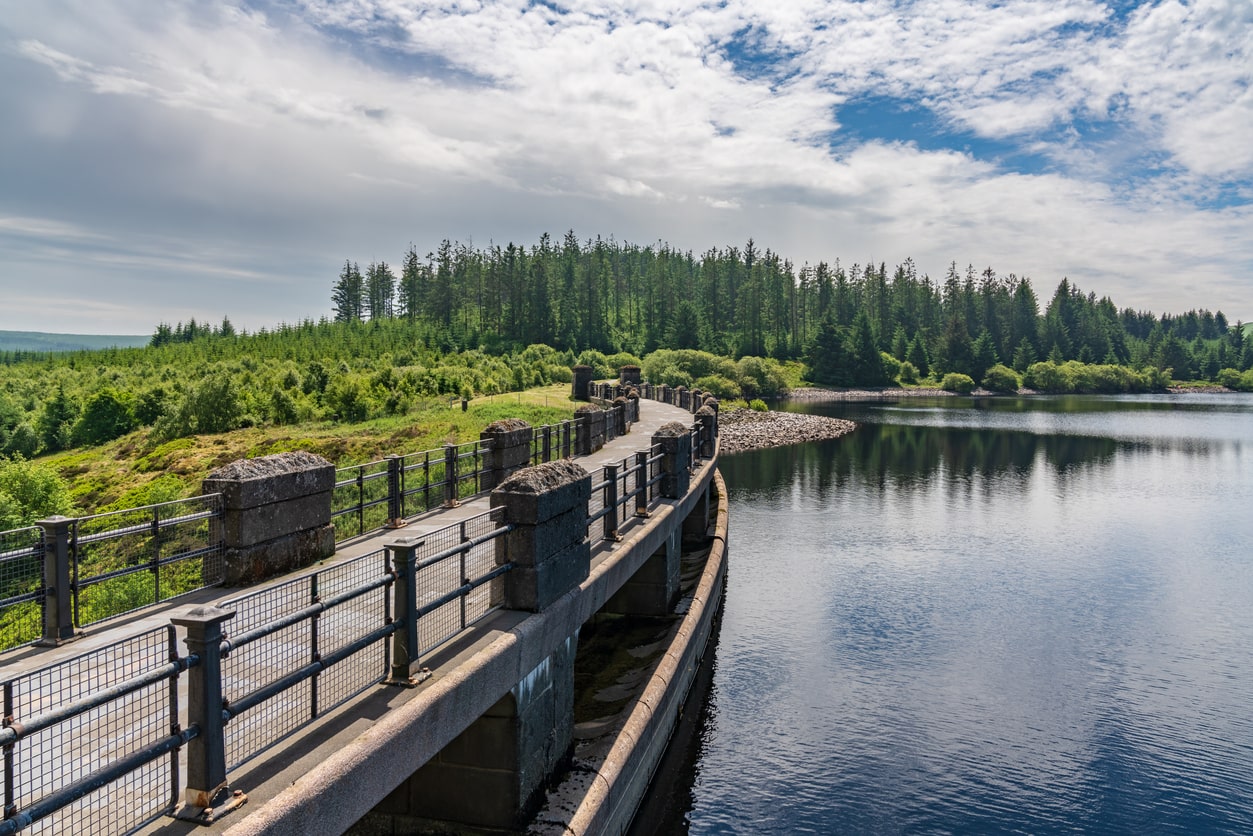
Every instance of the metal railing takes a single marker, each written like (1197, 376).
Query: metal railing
(552, 441)
(623, 494)
(370, 496)
(92, 745)
(124, 560)
(21, 586)
(71, 572)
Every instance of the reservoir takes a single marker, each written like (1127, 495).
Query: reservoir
(1018, 615)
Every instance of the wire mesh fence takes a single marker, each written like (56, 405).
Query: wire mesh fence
(125, 560)
(440, 574)
(259, 664)
(21, 586)
(83, 744)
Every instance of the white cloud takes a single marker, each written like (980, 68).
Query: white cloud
(246, 141)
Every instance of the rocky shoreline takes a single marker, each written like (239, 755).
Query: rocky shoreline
(744, 429)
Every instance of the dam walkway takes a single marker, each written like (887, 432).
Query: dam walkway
(168, 720)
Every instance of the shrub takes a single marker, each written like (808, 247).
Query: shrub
(891, 366)
(758, 405)
(761, 376)
(908, 373)
(211, 406)
(1001, 378)
(29, 492)
(718, 386)
(1229, 378)
(957, 382)
(106, 415)
(1045, 376)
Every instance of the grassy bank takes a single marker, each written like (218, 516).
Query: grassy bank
(137, 469)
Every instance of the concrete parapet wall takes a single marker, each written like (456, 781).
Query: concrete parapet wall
(276, 513)
(619, 784)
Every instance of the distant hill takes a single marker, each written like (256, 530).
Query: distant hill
(38, 341)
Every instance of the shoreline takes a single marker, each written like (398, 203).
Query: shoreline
(742, 430)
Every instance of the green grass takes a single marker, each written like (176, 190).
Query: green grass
(137, 469)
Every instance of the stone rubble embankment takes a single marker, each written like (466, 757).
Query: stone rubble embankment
(744, 429)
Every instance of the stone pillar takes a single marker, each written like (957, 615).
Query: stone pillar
(676, 463)
(621, 415)
(491, 778)
(589, 430)
(633, 405)
(654, 588)
(580, 388)
(629, 375)
(711, 402)
(547, 505)
(510, 450)
(276, 514)
(709, 430)
(696, 400)
(683, 399)
(663, 393)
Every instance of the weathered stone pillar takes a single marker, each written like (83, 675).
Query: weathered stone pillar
(547, 505)
(709, 430)
(510, 450)
(633, 405)
(589, 433)
(696, 400)
(676, 463)
(711, 402)
(629, 375)
(276, 513)
(663, 393)
(580, 388)
(683, 398)
(621, 415)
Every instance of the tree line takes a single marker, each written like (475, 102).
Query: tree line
(744, 301)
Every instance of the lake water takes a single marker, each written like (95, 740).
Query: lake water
(1026, 615)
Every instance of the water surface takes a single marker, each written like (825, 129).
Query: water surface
(1023, 615)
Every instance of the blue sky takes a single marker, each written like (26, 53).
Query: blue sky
(166, 161)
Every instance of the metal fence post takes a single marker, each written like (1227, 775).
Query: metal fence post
(58, 613)
(395, 492)
(611, 503)
(548, 442)
(450, 476)
(404, 555)
(641, 483)
(207, 796)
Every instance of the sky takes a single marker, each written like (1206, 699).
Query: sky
(161, 161)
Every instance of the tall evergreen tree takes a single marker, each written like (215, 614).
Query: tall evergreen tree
(347, 295)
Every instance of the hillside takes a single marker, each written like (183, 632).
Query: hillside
(39, 341)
